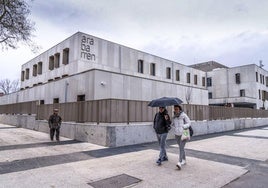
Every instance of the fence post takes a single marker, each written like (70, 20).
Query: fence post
(37, 110)
(128, 112)
(98, 113)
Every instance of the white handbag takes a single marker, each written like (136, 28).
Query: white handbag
(185, 134)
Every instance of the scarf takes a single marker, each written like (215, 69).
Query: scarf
(176, 115)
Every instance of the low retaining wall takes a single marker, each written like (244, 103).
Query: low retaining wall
(114, 135)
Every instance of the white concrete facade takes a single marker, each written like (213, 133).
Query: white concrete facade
(99, 69)
(243, 86)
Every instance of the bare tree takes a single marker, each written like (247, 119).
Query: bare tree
(188, 95)
(7, 86)
(14, 25)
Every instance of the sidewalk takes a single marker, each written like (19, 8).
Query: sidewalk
(234, 159)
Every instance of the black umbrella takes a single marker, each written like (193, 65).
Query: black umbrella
(165, 101)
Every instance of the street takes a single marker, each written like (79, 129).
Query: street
(230, 159)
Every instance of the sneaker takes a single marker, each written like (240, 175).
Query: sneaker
(165, 158)
(179, 165)
(183, 162)
(159, 162)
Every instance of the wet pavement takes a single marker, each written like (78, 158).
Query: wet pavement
(231, 159)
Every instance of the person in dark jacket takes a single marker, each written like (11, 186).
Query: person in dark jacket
(54, 123)
(162, 126)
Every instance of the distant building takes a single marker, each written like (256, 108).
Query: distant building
(84, 67)
(241, 86)
(208, 66)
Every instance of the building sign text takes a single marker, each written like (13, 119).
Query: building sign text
(87, 44)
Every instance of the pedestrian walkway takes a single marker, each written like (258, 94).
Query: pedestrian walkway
(234, 159)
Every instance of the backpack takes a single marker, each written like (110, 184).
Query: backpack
(191, 131)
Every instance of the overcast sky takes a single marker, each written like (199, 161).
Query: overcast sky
(231, 32)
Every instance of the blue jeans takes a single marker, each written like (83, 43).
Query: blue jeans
(181, 144)
(162, 143)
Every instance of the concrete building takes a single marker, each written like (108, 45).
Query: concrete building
(84, 67)
(241, 86)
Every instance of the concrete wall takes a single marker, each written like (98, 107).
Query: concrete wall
(114, 135)
(115, 86)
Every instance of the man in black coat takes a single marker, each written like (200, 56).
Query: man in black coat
(162, 126)
(54, 123)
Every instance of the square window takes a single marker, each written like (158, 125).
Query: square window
(242, 93)
(209, 82)
(210, 95)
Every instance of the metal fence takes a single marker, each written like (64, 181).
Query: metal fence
(100, 111)
(19, 108)
(124, 111)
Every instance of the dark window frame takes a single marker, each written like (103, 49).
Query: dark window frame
(57, 60)
(22, 76)
(35, 70)
(195, 79)
(56, 100)
(140, 66)
(27, 74)
(188, 77)
(152, 69)
(81, 98)
(39, 67)
(66, 56)
(237, 78)
(242, 93)
(168, 72)
(177, 75)
(210, 95)
(51, 64)
(209, 81)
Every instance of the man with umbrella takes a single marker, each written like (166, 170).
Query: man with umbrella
(162, 126)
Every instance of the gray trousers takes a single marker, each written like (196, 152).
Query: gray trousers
(52, 132)
(181, 144)
(162, 143)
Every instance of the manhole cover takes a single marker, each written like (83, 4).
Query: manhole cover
(119, 181)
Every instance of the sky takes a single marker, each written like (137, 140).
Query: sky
(231, 32)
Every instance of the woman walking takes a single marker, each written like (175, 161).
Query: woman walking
(180, 122)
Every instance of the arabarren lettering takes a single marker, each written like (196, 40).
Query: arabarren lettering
(88, 56)
(86, 44)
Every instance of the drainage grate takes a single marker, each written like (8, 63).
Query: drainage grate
(119, 181)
